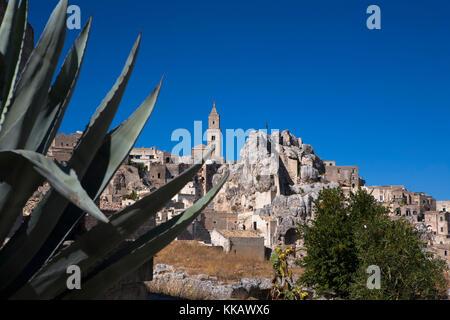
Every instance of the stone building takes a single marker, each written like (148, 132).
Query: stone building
(264, 226)
(346, 176)
(148, 156)
(63, 145)
(402, 202)
(240, 242)
(441, 251)
(214, 134)
(206, 222)
(443, 206)
(438, 223)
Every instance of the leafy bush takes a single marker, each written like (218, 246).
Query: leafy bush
(350, 234)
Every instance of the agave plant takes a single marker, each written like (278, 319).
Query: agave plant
(32, 263)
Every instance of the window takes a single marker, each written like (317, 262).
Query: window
(399, 212)
(440, 218)
(159, 175)
(408, 212)
(254, 225)
(213, 138)
(381, 198)
(442, 229)
(445, 253)
(444, 209)
(414, 212)
(167, 160)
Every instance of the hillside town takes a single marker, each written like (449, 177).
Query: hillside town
(268, 193)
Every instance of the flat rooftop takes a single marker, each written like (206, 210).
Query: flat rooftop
(238, 234)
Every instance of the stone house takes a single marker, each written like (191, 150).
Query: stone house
(346, 176)
(240, 242)
(62, 146)
(442, 251)
(149, 156)
(264, 226)
(439, 224)
(443, 206)
(402, 202)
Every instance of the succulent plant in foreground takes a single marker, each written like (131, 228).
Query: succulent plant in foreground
(32, 263)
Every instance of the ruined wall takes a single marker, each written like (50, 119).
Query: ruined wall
(347, 176)
(249, 247)
(443, 206)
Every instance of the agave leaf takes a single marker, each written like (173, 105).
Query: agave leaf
(7, 26)
(97, 128)
(116, 146)
(50, 281)
(12, 36)
(31, 93)
(29, 239)
(2, 72)
(65, 183)
(31, 162)
(140, 251)
(60, 94)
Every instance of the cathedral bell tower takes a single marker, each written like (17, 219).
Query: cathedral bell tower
(214, 135)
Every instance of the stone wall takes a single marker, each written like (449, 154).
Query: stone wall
(443, 206)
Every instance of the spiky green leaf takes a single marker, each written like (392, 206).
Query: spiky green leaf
(60, 95)
(115, 148)
(64, 181)
(31, 93)
(32, 235)
(140, 251)
(50, 280)
(12, 36)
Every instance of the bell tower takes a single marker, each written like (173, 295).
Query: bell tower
(214, 135)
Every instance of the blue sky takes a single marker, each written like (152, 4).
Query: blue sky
(379, 99)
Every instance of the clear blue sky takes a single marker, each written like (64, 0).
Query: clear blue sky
(378, 99)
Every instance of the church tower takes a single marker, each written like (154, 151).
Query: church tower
(214, 135)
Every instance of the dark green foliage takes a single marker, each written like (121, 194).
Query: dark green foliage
(350, 234)
(406, 271)
(331, 256)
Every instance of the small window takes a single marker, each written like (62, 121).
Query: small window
(444, 209)
(213, 138)
(445, 253)
(254, 225)
(159, 175)
(408, 213)
(442, 219)
(414, 212)
(442, 229)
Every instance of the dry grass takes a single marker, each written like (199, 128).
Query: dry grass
(195, 258)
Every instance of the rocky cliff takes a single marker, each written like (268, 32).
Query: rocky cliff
(278, 176)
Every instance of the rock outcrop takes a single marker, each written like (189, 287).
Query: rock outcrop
(124, 181)
(167, 281)
(277, 176)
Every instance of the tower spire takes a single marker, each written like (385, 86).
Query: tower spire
(214, 110)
